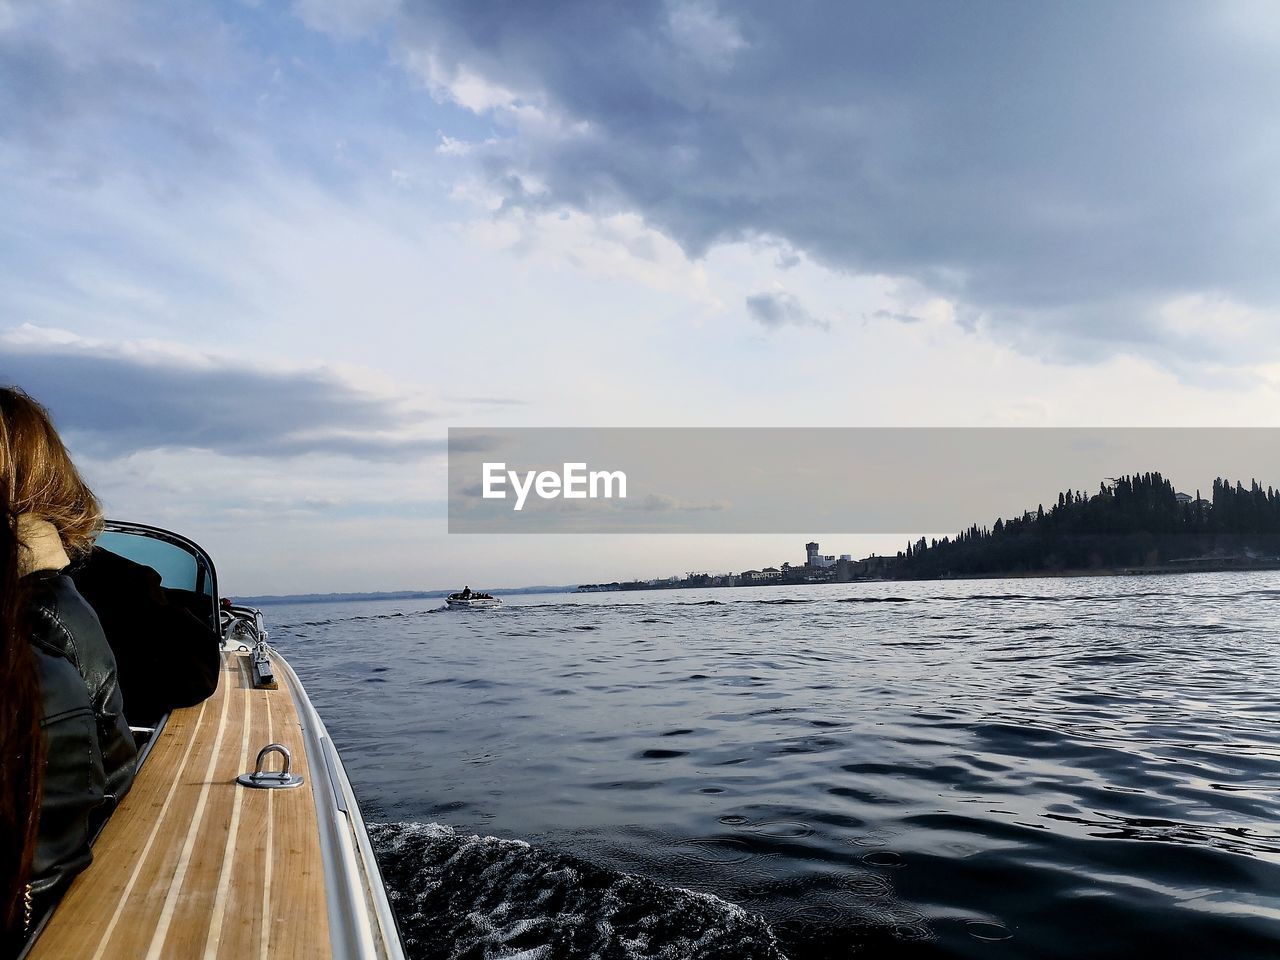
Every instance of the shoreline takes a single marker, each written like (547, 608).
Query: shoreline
(1165, 569)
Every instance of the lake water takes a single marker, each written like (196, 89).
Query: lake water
(996, 768)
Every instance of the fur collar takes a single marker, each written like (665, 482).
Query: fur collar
(39, 546)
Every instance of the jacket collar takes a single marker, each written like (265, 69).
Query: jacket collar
(39, 546)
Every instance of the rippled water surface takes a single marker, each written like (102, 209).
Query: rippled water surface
(999, 768)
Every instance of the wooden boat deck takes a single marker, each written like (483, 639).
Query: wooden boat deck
(193, 864)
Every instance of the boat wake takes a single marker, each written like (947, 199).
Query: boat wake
(482, 897)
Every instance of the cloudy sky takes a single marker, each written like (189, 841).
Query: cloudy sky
(257, 257)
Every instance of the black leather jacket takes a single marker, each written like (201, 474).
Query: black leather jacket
(90, 753)
(165, 656)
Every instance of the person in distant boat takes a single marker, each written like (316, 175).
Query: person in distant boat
(466, 593)
(66, 750)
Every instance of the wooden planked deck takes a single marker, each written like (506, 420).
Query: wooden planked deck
(191, 863)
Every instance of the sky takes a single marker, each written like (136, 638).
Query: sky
(258, 257)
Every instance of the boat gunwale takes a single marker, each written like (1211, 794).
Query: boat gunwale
(347, 853)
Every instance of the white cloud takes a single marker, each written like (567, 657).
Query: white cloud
(345, 19)
(704, 31)
(460, 85)
(1218, 317)
(620, 246)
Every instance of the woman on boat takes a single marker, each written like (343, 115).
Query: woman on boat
(67, 752)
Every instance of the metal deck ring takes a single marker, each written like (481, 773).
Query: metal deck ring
(264, 779)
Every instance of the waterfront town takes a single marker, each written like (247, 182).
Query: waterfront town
(816, 568)
(1133, 524)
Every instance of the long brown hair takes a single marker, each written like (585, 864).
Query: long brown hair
(38, 474)
(22, 756)
(36, 477)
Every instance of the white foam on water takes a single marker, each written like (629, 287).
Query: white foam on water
(486, 897)
(535, 953)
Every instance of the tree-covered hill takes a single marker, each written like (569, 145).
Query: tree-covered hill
(1134, 521)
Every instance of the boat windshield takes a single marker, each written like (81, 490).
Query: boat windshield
(185, 569)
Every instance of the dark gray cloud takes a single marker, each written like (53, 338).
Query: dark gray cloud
(896, 316)
(778, 309)
(1061, 171)
(116, 401)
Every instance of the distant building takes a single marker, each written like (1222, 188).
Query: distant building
(1183, 497)
(815, 560)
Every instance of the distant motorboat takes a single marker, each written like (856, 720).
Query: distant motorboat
(473, 601)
